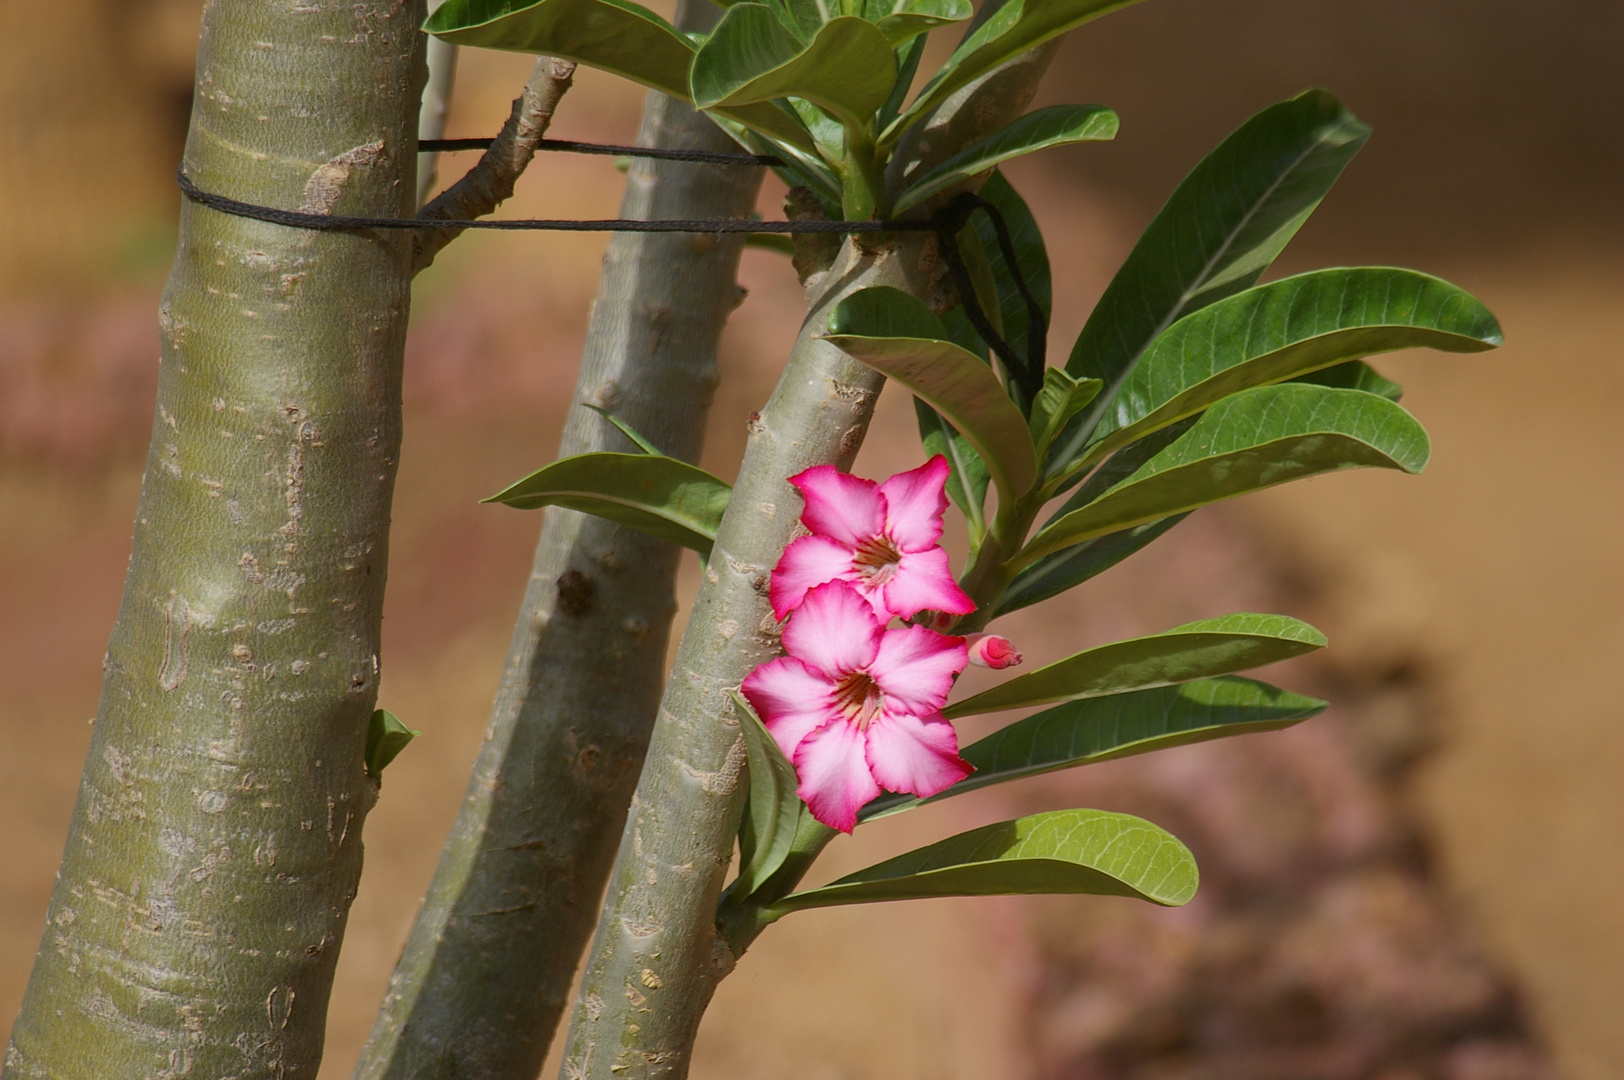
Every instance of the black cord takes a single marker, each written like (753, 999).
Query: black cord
(703, 157)
(1026, 372)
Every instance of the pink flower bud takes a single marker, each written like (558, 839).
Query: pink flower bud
(992, 651)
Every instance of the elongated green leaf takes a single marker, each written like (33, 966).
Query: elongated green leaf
(386, 738)
(967, 482)
(613, 35)
(1031, 259)
(900, 20)
(1099, 729)
(1061, 398)
(661, 496)
(1054, 574)
(1247, 442)
(752, 56)
(1217, 233)
(625, 428)
(774, 808)
(1018, 26)
(952, 381)
(1287, 328)
(1066, 851)
(1056, 125)
(1355, 375)
(1195, 650)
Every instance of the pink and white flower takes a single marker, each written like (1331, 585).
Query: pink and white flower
(881, 538)
(992, 651)
(858, 708)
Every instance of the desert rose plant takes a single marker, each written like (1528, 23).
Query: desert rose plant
(814, 686)
(819, 662)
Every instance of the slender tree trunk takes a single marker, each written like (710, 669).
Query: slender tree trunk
(658, 956)
(486, 971)
(216, 843)
(441, 59)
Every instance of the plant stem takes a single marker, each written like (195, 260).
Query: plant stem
(658, 953)
(486, 971)
(216, 843)
(436, 106)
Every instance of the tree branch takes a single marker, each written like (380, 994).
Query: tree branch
(485, 974)
(658, 955)
(490, 182)
(216, 843)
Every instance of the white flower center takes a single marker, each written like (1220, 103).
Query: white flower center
(876, 558)
(859, 698)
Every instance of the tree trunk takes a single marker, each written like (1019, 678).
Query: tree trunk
(216, 843)
(486, 971)
(657, 956)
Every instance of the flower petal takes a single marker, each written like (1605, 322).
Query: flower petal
(791, 700)
(915, 501)
(923, 581)
(809, 561)
(840, 506)
(834, 630)
(915, 668)
(915, 755)
(992, 651)
(833, 768)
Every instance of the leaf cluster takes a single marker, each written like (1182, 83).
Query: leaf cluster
(1189, 384)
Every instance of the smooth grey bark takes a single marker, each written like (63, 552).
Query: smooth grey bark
(486, 972)
(216, 842)
(658, 953)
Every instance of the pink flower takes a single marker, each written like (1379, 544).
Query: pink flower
(992, 651)
(857, 707)
(882, 538)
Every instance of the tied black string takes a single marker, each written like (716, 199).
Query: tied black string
(1026, 372)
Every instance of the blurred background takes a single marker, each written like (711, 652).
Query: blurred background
(1423, 884)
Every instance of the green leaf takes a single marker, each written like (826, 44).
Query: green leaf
(896, 335)
(1195, 650)
(1016, 27)
(1061, 398)
(1066, 851)
(774, 809)
(1248, 441)
(1100, 729)
(626, 429)
(386, 738)
(613, 35)
(1275, 332)
(1056, 125)
(967, 482)
(1054, 574)
(1030, 257)
(1121, 725)
(752, 56)
(1354, 375)
(661, 496)
(901, 20)
(1217, 233)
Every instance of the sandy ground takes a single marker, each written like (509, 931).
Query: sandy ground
(1503, 556)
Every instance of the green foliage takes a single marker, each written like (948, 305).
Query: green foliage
(1056, 125)
(1017, 26)
(1195, 650)
(1248, 441)
(968, 479)
(1066, 851)
(1219, 231)
(652, 493)
(1066, 569)
(1288, 328)
(774, 810)
(386, 738)
(895, 333)
(846, 67)
(1090, 730)
(1354, 375)
(1031, 259)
